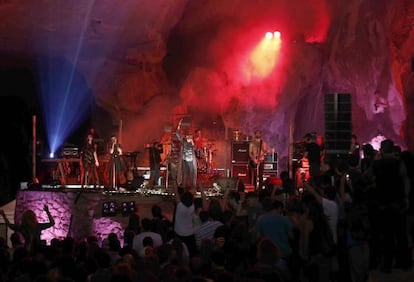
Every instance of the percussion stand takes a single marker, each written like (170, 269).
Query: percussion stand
(167, 173)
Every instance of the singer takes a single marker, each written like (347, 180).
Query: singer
(115, 151)
(188, 163)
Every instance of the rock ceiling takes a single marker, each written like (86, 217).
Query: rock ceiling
(147, 62)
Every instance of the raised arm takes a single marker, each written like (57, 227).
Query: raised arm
(12, 226)
(177, 131)
(312, 190)
(49, 216)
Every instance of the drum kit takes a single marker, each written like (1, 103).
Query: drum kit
(205, 156)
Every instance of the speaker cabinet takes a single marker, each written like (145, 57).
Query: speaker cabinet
(338, 122)
(241, 171)
(270, 167)
(240, 151)
(270, 157)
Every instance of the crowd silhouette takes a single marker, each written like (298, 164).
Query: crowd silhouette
(353, 217)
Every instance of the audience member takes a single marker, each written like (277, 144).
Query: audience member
(30, 228)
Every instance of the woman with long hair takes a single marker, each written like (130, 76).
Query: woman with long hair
(30, 228)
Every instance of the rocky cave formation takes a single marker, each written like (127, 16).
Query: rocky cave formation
(149, 63)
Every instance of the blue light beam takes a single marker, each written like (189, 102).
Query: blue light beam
(65, 96)
(64, 93)
(64, 107)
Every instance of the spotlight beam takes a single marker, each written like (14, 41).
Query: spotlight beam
(75, 63)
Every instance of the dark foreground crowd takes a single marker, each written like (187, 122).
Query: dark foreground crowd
(357, 216)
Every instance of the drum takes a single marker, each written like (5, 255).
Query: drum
(302, 172)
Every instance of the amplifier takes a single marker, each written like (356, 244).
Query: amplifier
(240, 151)
(241, 171)
(70, 152)
(270, 157)
(270, 166)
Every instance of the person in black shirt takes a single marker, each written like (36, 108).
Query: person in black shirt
(89, 162)
(155, 152)
(313, 154)
(392, 187)
(354, 148)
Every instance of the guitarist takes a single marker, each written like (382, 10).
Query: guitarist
(257, 150)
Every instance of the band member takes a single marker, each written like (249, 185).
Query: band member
(313, 154)
(89, 162)
(173, 160)
(155, 152)
(188, 160)
(115, 151)
(201, 152)
(257, 150)
(198, 143)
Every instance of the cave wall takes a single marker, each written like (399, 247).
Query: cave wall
(148, 63)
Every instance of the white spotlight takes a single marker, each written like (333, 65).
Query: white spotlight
(277, 34)
(269, 35)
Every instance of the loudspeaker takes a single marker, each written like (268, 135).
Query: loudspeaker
(240, 151)
(338, 122)
(241, 171)
(270, 157)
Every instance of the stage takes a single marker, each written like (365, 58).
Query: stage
(80, 211)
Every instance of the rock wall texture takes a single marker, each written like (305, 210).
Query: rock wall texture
(149, 63)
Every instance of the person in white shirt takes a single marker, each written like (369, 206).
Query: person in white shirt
(183, 219)
(326, 197)
(137, 243)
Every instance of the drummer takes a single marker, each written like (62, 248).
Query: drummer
(202, 150)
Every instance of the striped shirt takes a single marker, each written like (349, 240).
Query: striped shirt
(206, 231)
